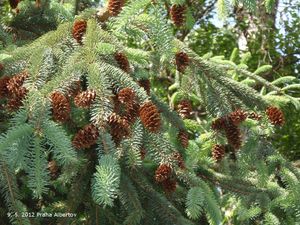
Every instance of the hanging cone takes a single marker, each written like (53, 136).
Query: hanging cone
(169, 185)
(218, 152)
(86, 137)
(180, 162)
(79, 29)
(238, 116)
(143, 153)
(233, 135)
(150, 117)
(184, 108)
(16, 100)
(85, 99)
(1, 67)
(75, 89)
(16, 82)
(177, 13)
(182, 60)
(119, 127)
(3, 86)
(163, 172)
(254, 116)
(53, 169)
(145, 83)
(275, 115)
(218, 124)
(115, 6)
(122, 61)
(183, 137)
(61, 108)
(132, 112)
(127, 96)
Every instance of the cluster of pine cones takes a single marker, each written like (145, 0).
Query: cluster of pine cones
(230, 126)
(13, 91)
(126, 111)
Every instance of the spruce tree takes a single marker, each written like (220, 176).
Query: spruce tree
(88, 134)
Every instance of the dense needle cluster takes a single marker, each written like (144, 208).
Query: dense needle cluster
(150, 117)
(79, 29)
(177, 13)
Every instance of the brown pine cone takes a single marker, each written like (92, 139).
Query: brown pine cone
(182, 60)
(86, 137)
(150, 117)
(1, 67)
(132, 112)
(145, 83)
(61, 108)
(233, 135)
(79, 29)
(254, 116)
(184, 108)
(275, 115)
(218, 152)
(238, 116)
(75, 89)
(169, 185)
(163, 172)
(85, 99)
(16, 100)
(16, 82)
(143, 153)
(115, 6)
(180, 161)
(119, 127)
(3, 86)
(127, 96)
(219, 124)
(183, 137)
(122, 61)
(177, 13)
(53, 169)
